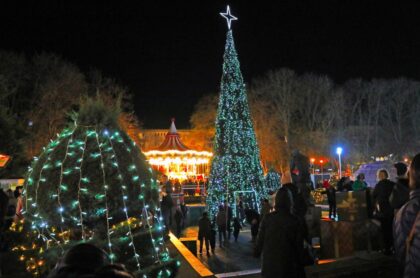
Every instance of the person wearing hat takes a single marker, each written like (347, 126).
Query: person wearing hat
(280, 240)
(400, 192)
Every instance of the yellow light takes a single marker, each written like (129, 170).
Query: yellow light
(174, 152)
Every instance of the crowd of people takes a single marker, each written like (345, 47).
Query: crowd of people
(279, 232)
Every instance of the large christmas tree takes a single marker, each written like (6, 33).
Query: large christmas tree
(92, 184)
(236, 168)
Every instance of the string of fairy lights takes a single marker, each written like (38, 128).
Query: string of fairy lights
(236, 165)
(74, 213)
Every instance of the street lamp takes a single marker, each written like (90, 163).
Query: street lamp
(313, 166)
(322, 169)
(339, 150)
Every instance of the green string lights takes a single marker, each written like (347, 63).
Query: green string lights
(92, 184)
(236, 166)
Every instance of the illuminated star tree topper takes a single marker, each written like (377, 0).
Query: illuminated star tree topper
(228, 16)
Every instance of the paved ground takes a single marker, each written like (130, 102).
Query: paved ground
(232, 257)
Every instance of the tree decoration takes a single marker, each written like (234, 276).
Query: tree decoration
(272, 180)
(92, 184)
(236, 167)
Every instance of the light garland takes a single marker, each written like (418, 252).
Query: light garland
(81, 148)
(236, 165)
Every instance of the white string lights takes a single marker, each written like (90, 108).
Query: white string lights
(77, 181)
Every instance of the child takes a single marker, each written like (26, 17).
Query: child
(236, 227)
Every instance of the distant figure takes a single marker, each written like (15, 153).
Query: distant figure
(229, 215)
(265, 207)
(332, 203)
(11, 209)
(184, 210)
(166, 207)
(253, 217)
(382, 208)
(280, 241)
(4, 201)
(178, 221)
(19, 203)
(360, 183)
(213, 237)
(407, 226)
(236, 228)
(204, 232)
(221, 220)
(400, 192)
(241, 209)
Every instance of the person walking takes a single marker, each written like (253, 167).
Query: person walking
(280, 241)
(221, 221)
(407, 226)
(204, 232)
(236, 228)
(400, 192)
(382, 208)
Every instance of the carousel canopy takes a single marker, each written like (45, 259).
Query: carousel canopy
(172, 140)
(175, 159)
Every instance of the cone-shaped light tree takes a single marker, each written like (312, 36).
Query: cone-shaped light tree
(92, 184)
(236, 168)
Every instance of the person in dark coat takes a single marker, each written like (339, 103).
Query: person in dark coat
(178, 221)
(400, 192)
(253, 217)
(299, 206)
(204, 232)
(407, 226)
(229, 215)
(236, 228)
(382, 208)
(221, 221)
(280, 241)
(166, 208)
(332, 203)
(213, 237)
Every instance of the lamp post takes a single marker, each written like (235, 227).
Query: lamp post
(322, 169)
(339, 150)
(313, 166)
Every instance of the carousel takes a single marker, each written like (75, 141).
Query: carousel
(177, 161)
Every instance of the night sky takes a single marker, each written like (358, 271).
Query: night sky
(169, 53)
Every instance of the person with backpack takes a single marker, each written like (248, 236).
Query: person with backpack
(407, 226)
